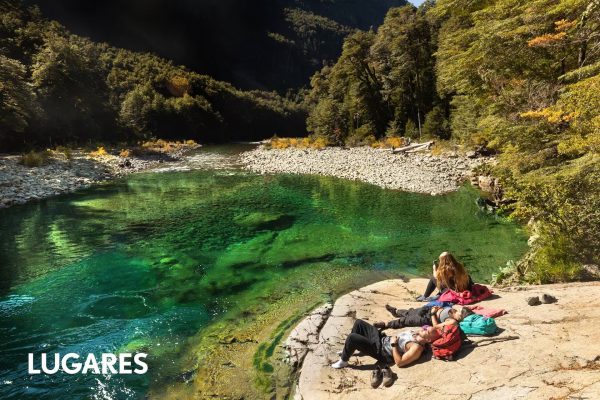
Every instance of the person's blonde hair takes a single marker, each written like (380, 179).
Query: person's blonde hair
(451, 274)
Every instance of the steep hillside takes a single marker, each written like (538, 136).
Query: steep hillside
(268, 44)
(60, 88)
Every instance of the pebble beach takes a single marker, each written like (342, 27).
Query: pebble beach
(412, 172)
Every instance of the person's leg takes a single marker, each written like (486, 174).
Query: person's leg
(431, 285)
(396, 312)
(364, 338)
(418, 316)
(355, 342)
(470, 287)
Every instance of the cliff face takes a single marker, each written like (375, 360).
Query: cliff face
(552, 357)
(267, 44)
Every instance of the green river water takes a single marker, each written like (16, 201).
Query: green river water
(152, 261)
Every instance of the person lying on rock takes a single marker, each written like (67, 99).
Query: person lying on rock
(434, 316)
(402, 349)
(447, 274)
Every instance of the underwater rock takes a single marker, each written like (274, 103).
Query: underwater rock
(263, 220)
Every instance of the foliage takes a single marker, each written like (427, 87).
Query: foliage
(520, 77)
(34, 158)
(99, 152)
(300, 143)
(19, 108)
(389, 142)
(436, 124)
(59, 88)
(381, 82)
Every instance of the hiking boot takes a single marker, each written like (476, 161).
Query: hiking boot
(391, 309)
(548, 299)
(376, 378)
(388, 377)
(380, 325)
(534, 301)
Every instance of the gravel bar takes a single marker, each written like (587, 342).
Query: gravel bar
(414, 172)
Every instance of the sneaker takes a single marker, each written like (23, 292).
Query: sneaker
(376, 378)
(548, 299)
(388, 377)
(421, 298)
(339, 364)
(391, 309)
(534, 301)
(379, 325)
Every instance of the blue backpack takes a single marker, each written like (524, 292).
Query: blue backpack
(476, 324)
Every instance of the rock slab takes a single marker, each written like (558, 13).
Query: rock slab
(556, 354)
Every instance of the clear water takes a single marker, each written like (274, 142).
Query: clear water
(147, 262)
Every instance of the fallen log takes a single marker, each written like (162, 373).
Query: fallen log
(413, 147)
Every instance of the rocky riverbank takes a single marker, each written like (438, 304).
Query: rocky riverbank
(413, 172)
(20, 184)
(542, 352)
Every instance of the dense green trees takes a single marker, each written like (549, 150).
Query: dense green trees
(18, 103)
(381, 83)
(521, 77)
(60, 88)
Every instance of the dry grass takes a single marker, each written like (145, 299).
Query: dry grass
(35, 158)
(441, 147)
(99, 152)
(392, 141)
(165, 146)
(299, 143)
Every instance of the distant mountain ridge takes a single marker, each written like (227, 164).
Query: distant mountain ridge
(269, 44)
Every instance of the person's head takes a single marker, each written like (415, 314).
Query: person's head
(428, 335)
(451, 274)
(460, 313)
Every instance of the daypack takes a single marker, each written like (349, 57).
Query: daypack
(477, 293)
(476, 324)
(446, 346)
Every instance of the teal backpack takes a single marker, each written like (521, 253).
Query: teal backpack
(476, 324)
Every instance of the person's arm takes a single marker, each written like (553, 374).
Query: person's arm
(448, 321)
(434, 320)
(410, 356)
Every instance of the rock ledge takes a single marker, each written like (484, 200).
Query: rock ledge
(555, 355)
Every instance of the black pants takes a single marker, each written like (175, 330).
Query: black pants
(431, 285)
(411, 317)
(364, 338)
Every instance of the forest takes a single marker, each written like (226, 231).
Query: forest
(267, 44)
(521, 78)
(59, 88)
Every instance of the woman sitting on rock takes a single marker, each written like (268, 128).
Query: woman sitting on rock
(402, 349)
(447, 274)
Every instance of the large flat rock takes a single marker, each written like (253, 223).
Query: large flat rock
(557, 354)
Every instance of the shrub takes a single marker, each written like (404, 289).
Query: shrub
(411, 130)
(100, 152)
(319, 143)
(34, 158)
(66, 152)
(125, 153)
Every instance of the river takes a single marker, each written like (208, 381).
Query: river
(160, 261)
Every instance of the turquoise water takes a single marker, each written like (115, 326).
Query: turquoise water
(149, 261)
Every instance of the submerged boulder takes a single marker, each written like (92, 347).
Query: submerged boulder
(263, 220)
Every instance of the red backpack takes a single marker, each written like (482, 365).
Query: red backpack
(446, 346)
